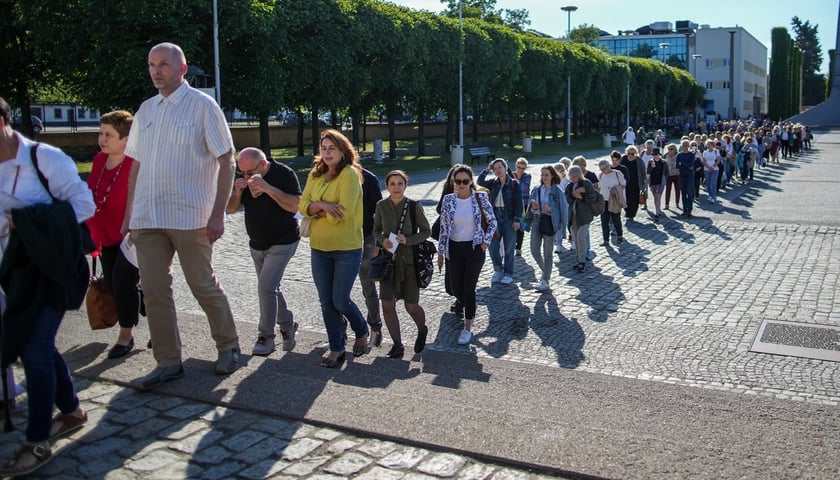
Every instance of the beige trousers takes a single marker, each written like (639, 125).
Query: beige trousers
(156, 249)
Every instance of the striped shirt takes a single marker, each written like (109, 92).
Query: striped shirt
(177, 140)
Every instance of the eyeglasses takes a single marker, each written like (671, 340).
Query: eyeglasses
(520, 167)
(459, 181)
(249, 173)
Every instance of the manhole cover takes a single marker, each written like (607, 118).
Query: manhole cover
(821, 342)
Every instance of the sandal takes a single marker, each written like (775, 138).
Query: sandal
(22, 464)
(65, 424)
(328, 362)
(360, 346)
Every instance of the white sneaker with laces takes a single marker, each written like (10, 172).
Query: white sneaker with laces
(465, 337)
(497, 277)
(507, 279)
(543, 286)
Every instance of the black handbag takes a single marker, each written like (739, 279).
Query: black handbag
(381, 267)
(424, 253)
(546, 224)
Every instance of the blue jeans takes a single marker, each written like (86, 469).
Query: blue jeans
(271, 265)
(334, 274)
(711, 183)
(48, 380)
(507, 235)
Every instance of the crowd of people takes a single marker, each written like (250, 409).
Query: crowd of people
(166, 177)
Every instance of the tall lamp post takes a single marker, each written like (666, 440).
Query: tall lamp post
(695, 57)
(569, 9)
(629, 77)
(456, 154)
(218, 78)
(664, 47)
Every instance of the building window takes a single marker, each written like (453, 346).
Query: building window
(725, 85)
(725, 62)
(58, 113)
(710, 86)
(81, 113)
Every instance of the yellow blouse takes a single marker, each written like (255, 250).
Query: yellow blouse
(329, 233)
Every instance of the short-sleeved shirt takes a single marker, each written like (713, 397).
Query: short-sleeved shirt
(266, 222)
(177, 141)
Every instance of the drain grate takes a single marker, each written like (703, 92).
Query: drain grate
(820, 342)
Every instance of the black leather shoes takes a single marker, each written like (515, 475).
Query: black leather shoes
(158, 376)
(118, 350)
(420, 343)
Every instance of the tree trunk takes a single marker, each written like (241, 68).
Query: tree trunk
(299, 132)
(315, 126)
(421, 132)
(265, 142)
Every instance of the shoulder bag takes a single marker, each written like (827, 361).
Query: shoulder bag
(424, 253)
(546, 223)
(381, 267)
(99, 302)
(484, 223)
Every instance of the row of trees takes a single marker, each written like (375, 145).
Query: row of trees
(349, 57)
(785, 85)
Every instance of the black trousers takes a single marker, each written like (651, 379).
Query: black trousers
(123, 278)
(608, 217)
(632, 200)
(465, 264)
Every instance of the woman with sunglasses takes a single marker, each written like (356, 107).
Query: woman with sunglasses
(467, 224)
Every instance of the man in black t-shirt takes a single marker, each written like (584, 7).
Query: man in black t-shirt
(371, 195)
(270, 193)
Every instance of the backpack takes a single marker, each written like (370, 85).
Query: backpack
(424, 253)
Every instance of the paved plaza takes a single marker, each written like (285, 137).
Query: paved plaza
(641, 367)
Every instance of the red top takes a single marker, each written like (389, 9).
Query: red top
(110, 193)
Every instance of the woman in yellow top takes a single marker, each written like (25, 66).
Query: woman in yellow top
(332, 198)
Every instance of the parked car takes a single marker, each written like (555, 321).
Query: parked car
(37, 124)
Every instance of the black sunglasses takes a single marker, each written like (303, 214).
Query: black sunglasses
(458, 181)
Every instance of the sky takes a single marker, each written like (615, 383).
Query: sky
(758, 18)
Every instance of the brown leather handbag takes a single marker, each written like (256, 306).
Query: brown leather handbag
(99, 302)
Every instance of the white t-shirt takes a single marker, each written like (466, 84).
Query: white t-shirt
(709, 157)
(630, 137)
(463, 225)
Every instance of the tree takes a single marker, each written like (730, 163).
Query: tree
(807, 40)
(588, 34)
(485, 10)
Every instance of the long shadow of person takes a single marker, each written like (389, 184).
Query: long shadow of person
(507, 319)
(564, 335)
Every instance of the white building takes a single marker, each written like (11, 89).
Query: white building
(705, 52)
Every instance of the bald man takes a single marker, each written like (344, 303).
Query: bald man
(176, 204)
(270, 193)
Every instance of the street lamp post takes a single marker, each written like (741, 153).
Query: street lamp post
(629, 77)
(664, 47)
(461, 78)
(695, 57)
(569, 9)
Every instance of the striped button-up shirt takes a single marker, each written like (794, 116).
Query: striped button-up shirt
(177, 140)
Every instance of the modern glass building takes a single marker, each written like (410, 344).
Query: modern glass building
(707, 53)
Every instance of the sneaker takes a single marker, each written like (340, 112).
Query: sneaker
(465, 337)
(289, 341)
(158, 376)
(543, 286)
(228, 362)
(497, 277)
(263, 346)
(581, 267)
(376, 335)
(507, 279)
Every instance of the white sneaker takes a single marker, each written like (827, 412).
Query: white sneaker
(543, 286)
(465, 337)
(497, 277)
(507, 279)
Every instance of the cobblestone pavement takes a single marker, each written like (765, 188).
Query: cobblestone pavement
(679, 303)
(145, 435)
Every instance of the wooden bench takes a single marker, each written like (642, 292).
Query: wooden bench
(478, 152)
